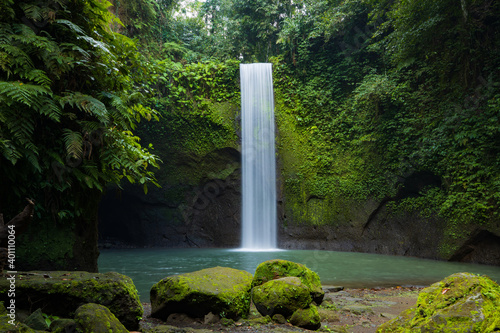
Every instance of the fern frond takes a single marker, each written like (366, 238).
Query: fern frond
(38, 76)
(92, 176)
(22, 93)
(6, 10)
(88, 104)
(33, 159)
(33, 12)
(91, 126)
(95, 43)
(16, 58)
(74, 27)
(73, 142)
(5, 32)
(73, 47)
(9, 151)
(55, 157)
(22, 128)
(49, 108)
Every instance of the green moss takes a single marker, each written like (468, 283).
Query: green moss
(462, 302)
(277, 268)
(308, 318)
(220, 290)
(322, 179)
(46, 244)
(282, 296)
(60, 293)
(62, 325)
(5, 326)
(95, 318)
(196, 145)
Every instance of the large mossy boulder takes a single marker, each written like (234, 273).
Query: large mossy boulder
(220, 290)
(277, 268)
(60, 293)
(281, 296)
(95, 318)
(462, 302)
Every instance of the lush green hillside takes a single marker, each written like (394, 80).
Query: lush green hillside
(385, 109)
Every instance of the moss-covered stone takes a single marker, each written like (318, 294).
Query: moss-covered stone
(69, 245)
(60, 293)
(63, 325)
(95, 318)
(6, 326)
(277, 268)
(173, 329)
(462, 302)
(3, 310)
(281, 296)
(308, 318)
(220, 290)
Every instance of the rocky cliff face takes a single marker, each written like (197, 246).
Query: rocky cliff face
(199, 203)
(333, 205)
(204, 215)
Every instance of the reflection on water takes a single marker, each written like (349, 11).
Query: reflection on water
(354, 270)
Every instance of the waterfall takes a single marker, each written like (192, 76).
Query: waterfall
(258, 157)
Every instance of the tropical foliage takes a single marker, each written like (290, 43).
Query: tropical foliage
(381, 90)
(69, 101)
(371, 91)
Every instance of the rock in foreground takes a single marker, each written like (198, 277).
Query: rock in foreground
(60, 293)
(462, 302)
(281, 296)
(277, 268)
(220, 290)
(308, 318)
(95, 318)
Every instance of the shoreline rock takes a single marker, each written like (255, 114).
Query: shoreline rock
(60, 293)
(221, 290)
(278, 268)
(462, 302)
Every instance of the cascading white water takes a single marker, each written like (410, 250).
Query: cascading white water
(258, 157)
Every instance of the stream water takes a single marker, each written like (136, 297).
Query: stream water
(352, 270)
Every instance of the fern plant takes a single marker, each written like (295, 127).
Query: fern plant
(68, 102)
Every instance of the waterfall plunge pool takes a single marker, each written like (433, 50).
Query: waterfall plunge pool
(351, 270)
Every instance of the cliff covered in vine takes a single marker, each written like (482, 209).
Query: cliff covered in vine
(387, 116)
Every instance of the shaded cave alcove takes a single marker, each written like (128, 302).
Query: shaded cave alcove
(482, 247)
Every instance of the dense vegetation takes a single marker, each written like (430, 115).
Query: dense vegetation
(377, 90)
(70, 96)
(69, 100)
(372, 92)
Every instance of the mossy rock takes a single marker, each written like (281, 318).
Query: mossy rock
(63, 325)
(60, 293)
(308, 318)
(95, 318)
(220, 290)
(6, 326)
(277, 268)
(173, 329)
(281, 296)
(462, 302)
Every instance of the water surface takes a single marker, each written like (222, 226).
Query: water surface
(351, 270)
